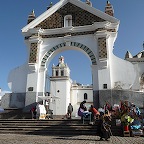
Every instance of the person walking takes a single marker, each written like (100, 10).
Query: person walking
(33, 111)
(47, 106)
(104, 125)
(70, 110)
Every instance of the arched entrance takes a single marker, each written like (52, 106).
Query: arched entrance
(48, 56)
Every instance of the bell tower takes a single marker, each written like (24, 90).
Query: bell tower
(61, 70)
(60, 84)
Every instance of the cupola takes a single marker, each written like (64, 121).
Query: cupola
(61, 62)
(61, 70)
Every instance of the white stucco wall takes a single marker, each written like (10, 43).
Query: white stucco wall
(41, 80)
(139, 68)
(80, 95)
(32, 81)
(122, 72)
(104, 78)
(60, 89)
(74, 93)
(17, 79)
(77, 96)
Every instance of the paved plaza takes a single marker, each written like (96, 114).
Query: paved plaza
(81, 139)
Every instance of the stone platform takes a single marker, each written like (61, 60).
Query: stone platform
(79, 139)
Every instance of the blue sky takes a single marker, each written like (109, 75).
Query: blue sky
(14, 14)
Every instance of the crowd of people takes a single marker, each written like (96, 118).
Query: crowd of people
(39, 111)
(126, 111)
(104, 115)
(83, 112)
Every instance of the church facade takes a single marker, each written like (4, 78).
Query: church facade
(75, 25)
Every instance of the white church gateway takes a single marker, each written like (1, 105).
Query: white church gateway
(75, 25)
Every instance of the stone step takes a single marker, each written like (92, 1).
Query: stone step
(49, 120)
(54, 131)
(53, 127)
(15, 121)
(49, 126)
(48, 132)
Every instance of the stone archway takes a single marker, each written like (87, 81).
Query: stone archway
(83, 48)
(75, 44)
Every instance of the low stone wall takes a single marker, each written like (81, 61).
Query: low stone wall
(115, 96)
(17, 100)
(13, 100)
(15, 114)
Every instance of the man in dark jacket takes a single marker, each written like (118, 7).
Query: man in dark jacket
(70, 110)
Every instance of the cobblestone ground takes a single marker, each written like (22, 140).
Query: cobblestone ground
(37, 139)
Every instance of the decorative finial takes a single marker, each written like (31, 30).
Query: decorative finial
(109, 9)
(50, 5)
(31, 17)
(61, 59)
(89, 2)
(33, 12)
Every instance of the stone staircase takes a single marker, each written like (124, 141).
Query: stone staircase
(53, 127)
(15, 121)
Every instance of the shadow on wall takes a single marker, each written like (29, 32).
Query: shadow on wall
(17, 113)
(13, 100)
